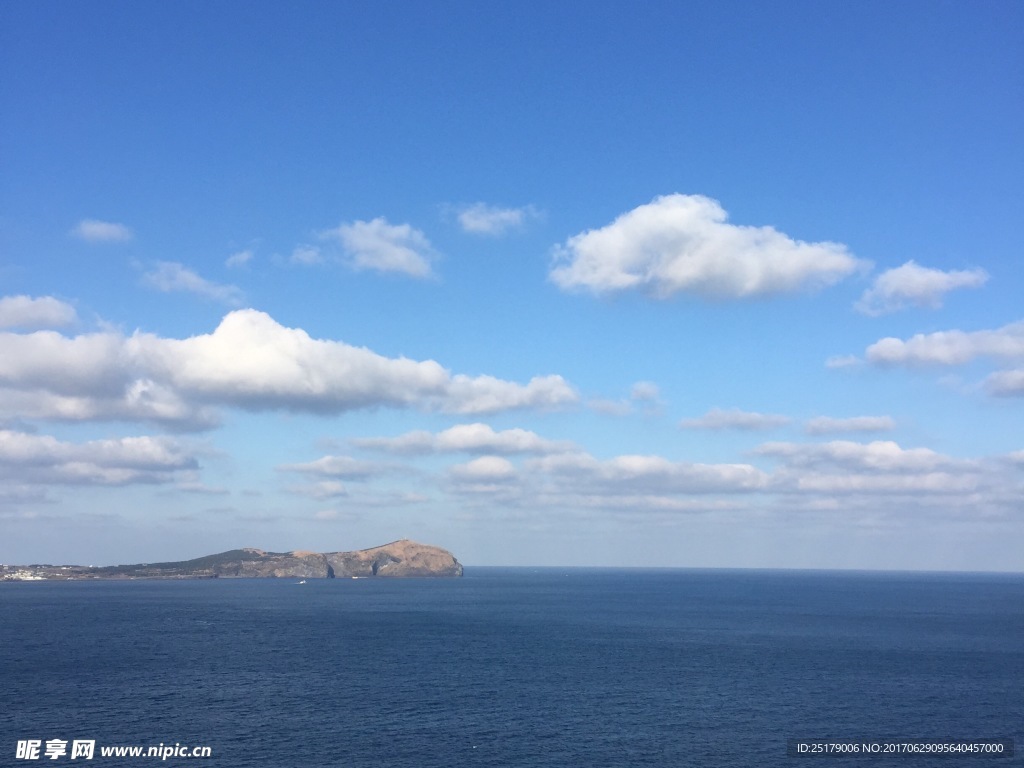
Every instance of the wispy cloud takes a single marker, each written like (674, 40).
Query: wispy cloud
(823, 425)
(344, 467)
(96, 231)
(465, 438)
(914, 285)
(239, 258)
(843, 361)
(483, 219)
(382, 247)
(485, 469)
(1006, 383)
(684, 244)
(645, 394)
(170, 276)
(306, 255)
(734, 418)
(581, 472)
(321, 490)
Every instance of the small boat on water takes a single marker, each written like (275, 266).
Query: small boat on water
(302, 582)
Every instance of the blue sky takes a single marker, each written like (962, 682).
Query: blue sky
(733, 284)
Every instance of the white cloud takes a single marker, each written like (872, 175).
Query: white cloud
(95, 231)
(171, 276)
(928, 482)
(1006, 383)
(44, 459)
(486, 394)
(249, 361)
(645, 392)
(843, 361)
(27, 312)
(734, 418)
(465, 438)
(822, 425)
(483, 219)
(610, 407)
(683, 243)
(648, 474)
(485, 469)
(239, 259)
(321, 490)
(950, 347)
(127, 400)
(382, 247)
(877, 479)
(877, 456)
(878, 468)
(914, 285)
(306, 255)
(335, 466)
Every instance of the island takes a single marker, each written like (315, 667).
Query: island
(399, 559)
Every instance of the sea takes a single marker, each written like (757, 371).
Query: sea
(529, 667)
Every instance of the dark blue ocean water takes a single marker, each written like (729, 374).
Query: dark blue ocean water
(515, 667)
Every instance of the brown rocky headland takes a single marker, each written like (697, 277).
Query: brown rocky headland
(403, 558)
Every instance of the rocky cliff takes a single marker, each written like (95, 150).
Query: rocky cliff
(398, 559)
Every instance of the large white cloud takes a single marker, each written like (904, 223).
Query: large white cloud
(45, 459)
(465, 438)
(734, 418)
(914, 285)
(950, 347)
(27, 312)
(383, 247)
(97, 231)
(249, 361)
(684, 243)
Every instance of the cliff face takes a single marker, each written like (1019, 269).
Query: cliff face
(399, 558)
(402, 558)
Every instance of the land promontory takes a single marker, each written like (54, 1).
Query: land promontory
(403, 558)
